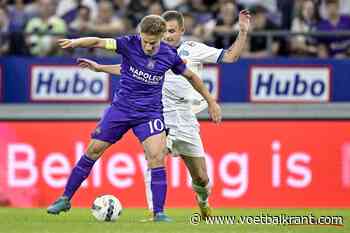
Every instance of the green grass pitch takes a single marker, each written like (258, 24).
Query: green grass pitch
(77, 220)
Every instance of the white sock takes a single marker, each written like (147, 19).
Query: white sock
(203, 192)
(148, 189)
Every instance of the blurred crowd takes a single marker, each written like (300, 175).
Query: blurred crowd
(32, 27)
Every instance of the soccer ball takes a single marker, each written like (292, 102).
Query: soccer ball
(106, 208)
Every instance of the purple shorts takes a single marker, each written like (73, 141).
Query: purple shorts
(115, 122)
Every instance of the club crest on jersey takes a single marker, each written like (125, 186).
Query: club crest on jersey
(151, 63)
(184, 53)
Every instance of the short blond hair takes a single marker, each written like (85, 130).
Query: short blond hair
(153, 25)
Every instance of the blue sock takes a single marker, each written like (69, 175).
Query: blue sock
(158, 188)
(79, 173)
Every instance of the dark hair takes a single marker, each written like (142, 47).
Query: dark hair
(314, 13)
(174, 15)
(153, 25)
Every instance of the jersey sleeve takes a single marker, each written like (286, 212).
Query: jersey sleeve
(122, 44)
(178, 66)
(207, 54)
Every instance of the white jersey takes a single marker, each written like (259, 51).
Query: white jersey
(178, 93)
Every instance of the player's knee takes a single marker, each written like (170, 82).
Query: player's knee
(166, 150)
(155, 162)
(201, 180)
(155, 159)
(94, 151)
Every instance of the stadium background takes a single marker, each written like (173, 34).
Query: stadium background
(284, 141)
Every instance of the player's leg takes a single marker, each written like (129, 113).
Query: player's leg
(184, 139)
(152, 136)
(147, 179)
(193, 157)
(154, 147)
(83, 167)
(107, 132)
(201, 184)
(79, 173)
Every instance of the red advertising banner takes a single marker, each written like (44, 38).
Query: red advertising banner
(251, 163)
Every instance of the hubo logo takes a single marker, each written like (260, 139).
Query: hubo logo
(290, 84)
(210, 77)
(68, 83)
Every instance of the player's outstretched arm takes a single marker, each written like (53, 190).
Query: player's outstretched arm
(237, 48)
(94, 66)
(88, 42)
(213, 108)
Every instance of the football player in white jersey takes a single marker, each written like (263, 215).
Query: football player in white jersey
(181, 102)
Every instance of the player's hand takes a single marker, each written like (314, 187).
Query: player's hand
(244, 20)
(67, 43)
(215, 112)
(88, 64)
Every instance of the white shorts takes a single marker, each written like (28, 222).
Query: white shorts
(184, 133)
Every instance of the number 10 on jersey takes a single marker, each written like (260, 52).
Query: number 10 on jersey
(156, 125)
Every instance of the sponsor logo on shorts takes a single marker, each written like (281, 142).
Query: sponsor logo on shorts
(97, 130)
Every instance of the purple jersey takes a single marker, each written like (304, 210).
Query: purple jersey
(142, 75)
(336, 44)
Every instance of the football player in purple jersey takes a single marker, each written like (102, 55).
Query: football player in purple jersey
(136, 105)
